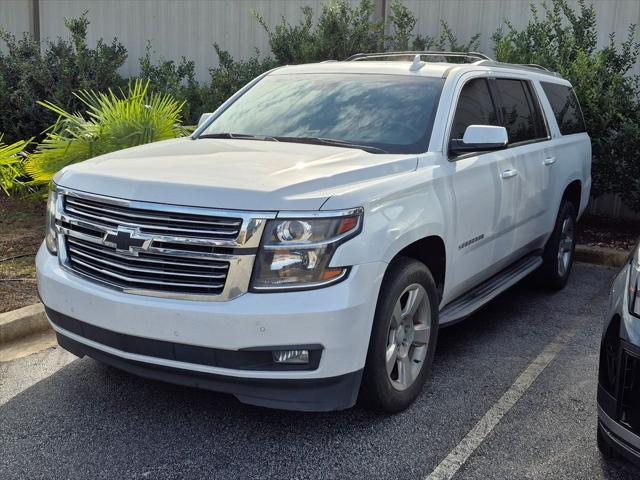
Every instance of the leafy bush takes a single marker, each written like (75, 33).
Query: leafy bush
(175, 79)
(66, 65)
(11, 165)
(231, 75)
(565, 40)
(341, 31)
(111, 122)
(402, 22)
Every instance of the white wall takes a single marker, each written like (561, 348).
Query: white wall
(14, 16)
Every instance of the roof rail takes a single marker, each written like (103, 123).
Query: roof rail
(473, 56)
(531, 67)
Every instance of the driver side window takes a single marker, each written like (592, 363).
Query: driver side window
(475, 107)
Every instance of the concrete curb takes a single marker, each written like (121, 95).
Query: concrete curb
(607, 257)
(32, 319)
(22, 322)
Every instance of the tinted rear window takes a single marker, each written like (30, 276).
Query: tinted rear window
(521, 114)
(565, 108)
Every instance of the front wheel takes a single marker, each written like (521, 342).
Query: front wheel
(559, 251)
(403, 337)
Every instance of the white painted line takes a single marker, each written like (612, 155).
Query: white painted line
(461, 453)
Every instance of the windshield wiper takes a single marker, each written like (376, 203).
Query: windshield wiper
(332, 142)
(239, 136)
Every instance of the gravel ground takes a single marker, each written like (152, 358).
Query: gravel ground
(83, 420)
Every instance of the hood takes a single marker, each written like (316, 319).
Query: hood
(231, 174)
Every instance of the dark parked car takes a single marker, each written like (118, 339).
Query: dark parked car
(619, 375)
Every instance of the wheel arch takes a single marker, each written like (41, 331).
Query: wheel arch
(573, 193)
(431, 251)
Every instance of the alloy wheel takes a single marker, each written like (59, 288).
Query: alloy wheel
(408, 337)
(565, 248)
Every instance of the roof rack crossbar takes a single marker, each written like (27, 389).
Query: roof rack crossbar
(427, 53)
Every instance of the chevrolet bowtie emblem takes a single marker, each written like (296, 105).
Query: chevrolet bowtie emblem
(127, 240)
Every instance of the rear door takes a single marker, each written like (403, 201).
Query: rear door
(570, 151)
(529, 149)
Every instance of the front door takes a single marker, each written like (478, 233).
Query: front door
(485, 189)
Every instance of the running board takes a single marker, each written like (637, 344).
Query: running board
(479, 296)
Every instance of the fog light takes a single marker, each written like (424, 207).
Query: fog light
(291, 356)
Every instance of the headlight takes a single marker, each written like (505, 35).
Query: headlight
(51, 237)
(634, 283)
(296, 252)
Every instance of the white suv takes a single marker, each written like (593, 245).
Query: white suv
(305, 244)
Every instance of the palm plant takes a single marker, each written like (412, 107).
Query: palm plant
(112, 121)
(12, 165)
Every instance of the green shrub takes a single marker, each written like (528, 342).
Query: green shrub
(565, 40)
(111, 122)
(175, 79)
(341, 31)
(231, 75)
(402, 23)
(64, 66)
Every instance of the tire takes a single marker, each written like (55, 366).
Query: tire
(405, 327)
(554, 272)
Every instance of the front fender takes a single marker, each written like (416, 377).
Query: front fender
(414, 209)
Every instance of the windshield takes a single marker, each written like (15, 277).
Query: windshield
(393, 113)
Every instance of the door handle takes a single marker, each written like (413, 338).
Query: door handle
(509, 173)
(549, 161)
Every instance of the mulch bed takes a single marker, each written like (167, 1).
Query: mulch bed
(21, 232)
(608, 233)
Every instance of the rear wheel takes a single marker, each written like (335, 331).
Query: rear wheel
(403, 337)
(559, 251)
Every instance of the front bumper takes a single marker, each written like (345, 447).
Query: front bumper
(619, 438)
(336, 319)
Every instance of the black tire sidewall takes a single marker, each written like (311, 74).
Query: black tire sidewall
(378, 392)
(548, 275)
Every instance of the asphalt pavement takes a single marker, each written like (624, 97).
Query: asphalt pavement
(62, 417)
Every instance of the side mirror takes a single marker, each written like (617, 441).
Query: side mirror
(480, 138)
(203, 118)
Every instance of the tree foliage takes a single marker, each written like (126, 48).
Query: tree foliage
(64, 66)
(564, 40)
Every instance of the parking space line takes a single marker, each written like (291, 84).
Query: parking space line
(461, 452)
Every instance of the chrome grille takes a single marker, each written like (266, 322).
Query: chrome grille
(158, 272)
(155, 249)
(153, 222)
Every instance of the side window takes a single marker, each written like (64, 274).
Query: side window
(565, 108)
(521, 114)
(475, 107)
